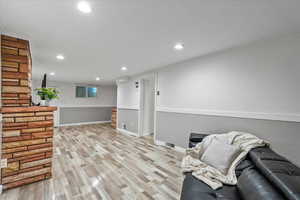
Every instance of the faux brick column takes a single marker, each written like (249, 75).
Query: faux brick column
(114, 118)
(16, 71)
(27, 144)
(27, 131)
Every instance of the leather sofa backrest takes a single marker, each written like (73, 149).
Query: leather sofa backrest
(196, 138)
(284, 175)
(254, 186)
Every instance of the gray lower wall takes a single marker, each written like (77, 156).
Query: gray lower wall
(130, 117)
(283, 136)
(69, 115)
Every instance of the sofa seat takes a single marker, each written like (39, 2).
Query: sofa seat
(194, 189)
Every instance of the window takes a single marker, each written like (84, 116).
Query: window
(80, 91)
(84, 91)
(92, 91)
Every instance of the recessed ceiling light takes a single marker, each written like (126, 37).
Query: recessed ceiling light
(124, 68)
(60, 57)
(179, 46)
(84, 7)
(97, 78)
(52, 73)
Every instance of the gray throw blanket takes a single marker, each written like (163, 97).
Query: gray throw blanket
(210, 175)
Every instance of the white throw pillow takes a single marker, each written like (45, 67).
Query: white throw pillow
(220, 155)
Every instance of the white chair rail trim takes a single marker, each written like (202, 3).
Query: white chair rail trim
(289, 117)
(128, 107)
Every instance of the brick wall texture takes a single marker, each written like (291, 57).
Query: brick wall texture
(16, 71)
(27, 145)
(27, 131)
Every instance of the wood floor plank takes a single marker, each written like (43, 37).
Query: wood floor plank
(95, 162)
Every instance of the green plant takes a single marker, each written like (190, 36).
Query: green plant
(47, 93)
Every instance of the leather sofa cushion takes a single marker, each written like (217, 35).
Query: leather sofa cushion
(197, 137)
(227, 193)
(244, 164)
(279, 171)
(253, 186)
(194, 189)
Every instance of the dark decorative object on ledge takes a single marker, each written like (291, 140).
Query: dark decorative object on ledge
(44, 81)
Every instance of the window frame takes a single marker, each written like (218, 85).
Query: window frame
(86, 91)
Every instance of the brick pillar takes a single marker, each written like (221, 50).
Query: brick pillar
(27, 131)
(16, 72)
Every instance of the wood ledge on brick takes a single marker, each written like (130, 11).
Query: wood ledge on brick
(28, 109)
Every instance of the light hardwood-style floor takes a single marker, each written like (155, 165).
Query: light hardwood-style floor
(94, 162)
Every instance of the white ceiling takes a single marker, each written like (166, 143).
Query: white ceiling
(137, 33)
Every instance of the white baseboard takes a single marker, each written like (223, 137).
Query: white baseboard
(84, 123)
(150, 133)
(159, 143)
(126, 132)
(176, 148)
(179, 149)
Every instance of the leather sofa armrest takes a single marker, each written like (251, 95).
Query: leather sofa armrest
(195, 138)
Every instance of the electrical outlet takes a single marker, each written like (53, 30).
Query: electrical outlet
(3, 163)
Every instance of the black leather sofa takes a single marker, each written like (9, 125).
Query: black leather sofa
(263, 175)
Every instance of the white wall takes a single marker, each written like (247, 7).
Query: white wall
(107, 95)
(148, 107)
(128, 95)
(221, 92)
(136, 100)
(129, 118)
(261, 77)
(78, 110)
